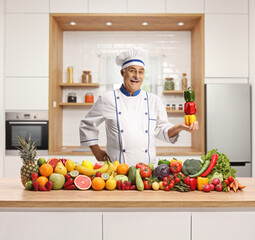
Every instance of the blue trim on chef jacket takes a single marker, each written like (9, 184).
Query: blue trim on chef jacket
(89, 140)
(133, 60)
(117, 118)
(125, 92)
(152, 119)
(148, 127)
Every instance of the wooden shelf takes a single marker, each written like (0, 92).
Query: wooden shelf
(76, 104)
(173, 92)
(174, 111)
(79, 84)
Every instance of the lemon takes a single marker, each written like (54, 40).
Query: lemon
(70, 166)
(116, 164)
(87, 164)
(110, 183)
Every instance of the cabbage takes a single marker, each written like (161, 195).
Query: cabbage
(216, 175)
(161, 171)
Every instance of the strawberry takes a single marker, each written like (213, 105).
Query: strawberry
(119, 184)
(49, 185)
(68, 182)
(98, 174)
(34, 176)
(36, 185)
(67, 176)
(43, 188)
(133, 187)
(128, 185)
(123, 186)
(92, 178)
(70, 187)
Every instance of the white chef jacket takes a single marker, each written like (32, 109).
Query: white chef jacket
(132, 125)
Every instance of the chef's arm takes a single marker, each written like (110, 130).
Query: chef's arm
(173, 131)
(99, 154)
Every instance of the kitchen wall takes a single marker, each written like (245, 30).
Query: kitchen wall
(168, 55)
(229, 42)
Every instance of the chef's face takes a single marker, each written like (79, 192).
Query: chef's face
(133, 78)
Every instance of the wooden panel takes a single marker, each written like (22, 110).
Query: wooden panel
(126, 22)
(13, 194)
(173, 92)
(55, 93)
(79, 84)
(197, 82)
(76, 104)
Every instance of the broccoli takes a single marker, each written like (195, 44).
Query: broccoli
(191, 166)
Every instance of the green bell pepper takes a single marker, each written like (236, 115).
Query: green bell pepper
(189, 95)
(164, 162)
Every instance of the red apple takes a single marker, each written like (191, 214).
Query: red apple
(98, 165)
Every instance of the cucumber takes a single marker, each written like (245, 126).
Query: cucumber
(139, 181)
(202, 170)
(131, 175)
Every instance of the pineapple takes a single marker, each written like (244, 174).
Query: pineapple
(27, 153)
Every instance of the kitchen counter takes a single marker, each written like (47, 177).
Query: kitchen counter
(13, 195)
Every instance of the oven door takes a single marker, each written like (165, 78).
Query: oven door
(37, 129)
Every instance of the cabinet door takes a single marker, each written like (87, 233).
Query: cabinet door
(146, 6)
(223, 225)
(110, 6)
(226, 45)
(146, 225)
(184, 6)
(27, 45)
(50, 225)
(27, 6)
(28, 93)
(69, 6)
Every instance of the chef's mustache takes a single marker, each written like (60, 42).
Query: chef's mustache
(136, 80)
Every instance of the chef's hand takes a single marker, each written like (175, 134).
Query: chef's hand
(100, 154)
(193, 127)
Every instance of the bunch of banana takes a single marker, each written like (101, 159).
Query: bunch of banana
(106, 168)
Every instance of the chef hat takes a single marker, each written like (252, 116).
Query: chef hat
(133, 56)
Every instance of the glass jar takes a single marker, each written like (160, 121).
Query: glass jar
(173, 107)
(71, 97)
(180, 107)
(89, 98)
(168, 107)
(86, 77)
(184, 82)
(169, 84)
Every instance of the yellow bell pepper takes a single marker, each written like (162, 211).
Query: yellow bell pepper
(174, 160)
(201, 181)
(190, 119)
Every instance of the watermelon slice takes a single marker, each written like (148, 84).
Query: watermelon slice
(53, 162)
(82, 182)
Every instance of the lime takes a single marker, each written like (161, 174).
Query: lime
(41, 161)
(87, 164)
(151, 166)
(105, 176)
(74, 173)
(29, 185)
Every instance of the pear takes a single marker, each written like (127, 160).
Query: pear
(61, 169)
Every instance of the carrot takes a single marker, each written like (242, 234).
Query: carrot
(240, 186)
(235, 185)
(231, 184)
(228, 187)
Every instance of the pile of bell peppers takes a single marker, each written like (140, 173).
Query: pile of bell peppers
(189, 107)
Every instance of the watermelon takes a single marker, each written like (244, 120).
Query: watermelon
(53, 162)
(82, 182)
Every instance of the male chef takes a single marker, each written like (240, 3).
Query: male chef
(133, 118)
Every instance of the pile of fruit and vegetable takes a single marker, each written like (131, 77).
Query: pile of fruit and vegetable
(212, 172)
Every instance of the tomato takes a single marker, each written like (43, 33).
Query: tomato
(167, 188)
(175, 175)
(175, 167)
(226, 181)
(182, 175)
(171, 185)
(230, 179)
(145, 172)
(140, 165)
(176, 180)
(172, 181)
(147, 184)
(165, 183)
(165, 179)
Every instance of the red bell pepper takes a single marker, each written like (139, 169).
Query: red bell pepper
(190, 108)
(192, 182)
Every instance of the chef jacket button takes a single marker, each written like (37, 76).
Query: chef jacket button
(121, 131)
(118, 97)
(146, 113)
(124, 150)
(146, 131)
(145, 98)
(146, 151)
(119, 112)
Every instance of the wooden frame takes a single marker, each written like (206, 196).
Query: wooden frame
(124, 22)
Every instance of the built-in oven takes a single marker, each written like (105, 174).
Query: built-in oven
(24, 124)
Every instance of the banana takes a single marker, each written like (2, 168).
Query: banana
(110, 169)
(90, 172)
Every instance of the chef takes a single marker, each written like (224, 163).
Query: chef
(133, 118)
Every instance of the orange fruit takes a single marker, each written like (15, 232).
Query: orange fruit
(122, 169)
(98, 183)
(42, 180)
(46, 170)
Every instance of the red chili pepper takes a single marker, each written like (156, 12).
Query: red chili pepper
(190, 108)
(211, 166)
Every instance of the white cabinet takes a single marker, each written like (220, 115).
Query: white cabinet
(220, 225)
(26, 93)
(27, 45)
(68, 6)
(109, 6)
(146, 6)
(146, 225)
(27, 6)
(184, 6)
(226, 6)
(226, 45)
(50, 225)
(12, 165)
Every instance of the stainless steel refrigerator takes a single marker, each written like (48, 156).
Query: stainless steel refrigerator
(228, 123)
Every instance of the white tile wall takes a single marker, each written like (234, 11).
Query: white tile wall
(168, 55)
(146, 6)
(27, 6)
(184, 6)
(68, 6)
(109, 6)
